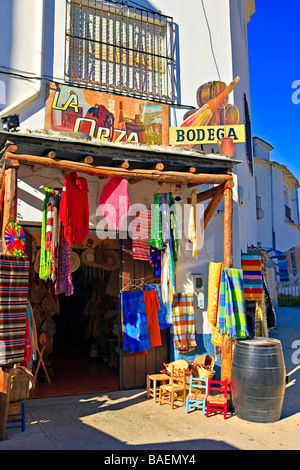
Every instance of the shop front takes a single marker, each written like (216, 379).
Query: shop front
(79, 302)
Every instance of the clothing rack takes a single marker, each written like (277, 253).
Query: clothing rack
(138, 283)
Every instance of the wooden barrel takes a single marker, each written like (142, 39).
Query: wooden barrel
(258, 380)
(210, 90)
(231, 114)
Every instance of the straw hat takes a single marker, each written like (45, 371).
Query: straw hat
(111, 260)
(75, 261)
(36, 265)
(88, 257)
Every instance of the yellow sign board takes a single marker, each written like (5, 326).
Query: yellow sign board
(205, 134)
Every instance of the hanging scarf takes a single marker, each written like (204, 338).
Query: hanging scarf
(49, 238)
(194, 229)
(114, 202)
(232, 313)
(155, 237)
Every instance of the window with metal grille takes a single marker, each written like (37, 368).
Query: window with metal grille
(113, 47)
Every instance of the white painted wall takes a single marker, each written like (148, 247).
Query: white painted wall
(211, 45)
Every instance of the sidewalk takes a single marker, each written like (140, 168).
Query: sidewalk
(127, 421)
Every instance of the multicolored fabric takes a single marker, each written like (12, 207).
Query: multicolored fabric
(155, 236)
(14, 274)
(279, 258)
(184, 322)
(165, 312)
(232, 312)
(140, 239)
(64, 281)
(252, 275)
(135, 324)
(50, 234)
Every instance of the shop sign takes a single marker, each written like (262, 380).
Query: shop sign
(205, 134)
(110, 118)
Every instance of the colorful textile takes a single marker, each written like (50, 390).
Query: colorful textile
(175, 231)
(194, 228)
(50, 234)
(13, 308)
(140, 238)
(155, 260)
(184, 322)
(263, 252)
(155, 236)
(64, 282)
(74, 209)
(165, 312)
(252, 275)
(135, 323)
(152, 307)
(214, 280)
(114, 202)
(279, 258)
(232, 312)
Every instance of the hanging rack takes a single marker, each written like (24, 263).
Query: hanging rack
(137, 283)
(161, 186)
(43, 186)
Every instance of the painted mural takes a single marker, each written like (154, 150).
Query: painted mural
(111, 118)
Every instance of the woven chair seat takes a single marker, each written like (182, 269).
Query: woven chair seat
(216, 399)
(196, 396)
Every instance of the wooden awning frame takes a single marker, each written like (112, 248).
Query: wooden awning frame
(223, 181)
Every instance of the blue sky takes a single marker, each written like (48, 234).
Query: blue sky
(274, 65)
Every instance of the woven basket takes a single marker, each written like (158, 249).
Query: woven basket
(22, 383)
(203, 366)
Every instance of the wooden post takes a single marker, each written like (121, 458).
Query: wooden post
(10, 198)
(226, 354)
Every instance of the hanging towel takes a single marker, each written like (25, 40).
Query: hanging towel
(140, 239)
(252, 275)
(232, 312)
(114, 202)
(45, 260)
(184, 322)
(135, 324)
(155, 237)
(152, 307)
(74, 209)
(14, 274)
(194, 228)
(165, 312)
(214, 280)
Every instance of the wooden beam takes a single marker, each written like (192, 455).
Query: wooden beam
(108, 172)
(211, 208)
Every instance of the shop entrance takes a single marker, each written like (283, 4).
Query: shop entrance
(81, 354)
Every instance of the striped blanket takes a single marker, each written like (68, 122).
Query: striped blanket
(184, 322)
(135, 325)
(13, 308)
(252, 276)
(232, 312)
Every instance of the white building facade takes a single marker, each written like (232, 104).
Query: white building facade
(208, 42)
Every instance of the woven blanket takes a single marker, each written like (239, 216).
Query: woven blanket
(280, 260)
(184, 322)
(13, 308)
(252, 275)
(165, 312)
(232, 312)
(135, 326)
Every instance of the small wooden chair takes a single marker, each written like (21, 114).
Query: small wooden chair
(217, 402)
(175, 390)
(152, 384)
(196, 397)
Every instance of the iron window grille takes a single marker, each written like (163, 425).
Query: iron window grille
(120, 49)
